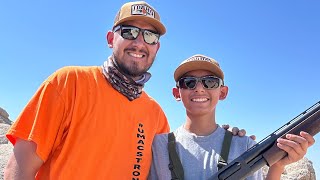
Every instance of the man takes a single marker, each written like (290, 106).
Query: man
(95, 122)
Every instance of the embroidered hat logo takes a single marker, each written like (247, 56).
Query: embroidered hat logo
(199, 58)
(141, 9)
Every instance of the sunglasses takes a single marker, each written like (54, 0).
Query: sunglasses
(208, 82)
(132, 32)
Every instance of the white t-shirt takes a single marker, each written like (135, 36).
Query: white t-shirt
(199, 155)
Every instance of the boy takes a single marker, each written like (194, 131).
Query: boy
(200, 86)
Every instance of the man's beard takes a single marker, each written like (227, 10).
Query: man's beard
(132, 69)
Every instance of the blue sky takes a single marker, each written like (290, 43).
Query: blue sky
(269, 51)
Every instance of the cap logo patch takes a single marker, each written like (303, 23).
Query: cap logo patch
(201, 58)
(141, 9)
(198, 58)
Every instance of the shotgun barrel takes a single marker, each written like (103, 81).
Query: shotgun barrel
(266, 151)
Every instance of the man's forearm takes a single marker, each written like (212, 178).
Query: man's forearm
(15, 172)
(24, 162)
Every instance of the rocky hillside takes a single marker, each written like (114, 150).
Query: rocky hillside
(301, 170)
(5, 148)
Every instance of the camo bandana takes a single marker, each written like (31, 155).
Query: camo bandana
(123, 84)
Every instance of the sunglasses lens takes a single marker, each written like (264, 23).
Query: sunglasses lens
(190, 83)
(210, 82)
(150, 37)
(187, 83)
(129, 32)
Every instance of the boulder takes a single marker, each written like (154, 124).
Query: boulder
(300, 170)
(4, 117)
(4, 113)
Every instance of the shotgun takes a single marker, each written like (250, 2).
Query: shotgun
(266, 151)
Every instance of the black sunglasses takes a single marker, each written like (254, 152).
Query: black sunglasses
(208, 82)
(132, 32)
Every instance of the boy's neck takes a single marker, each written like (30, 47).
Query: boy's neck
(200, 125)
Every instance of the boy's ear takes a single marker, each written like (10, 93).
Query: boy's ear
(176, 94)
(109, 38)
(223, 92)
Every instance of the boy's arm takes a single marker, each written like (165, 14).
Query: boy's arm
(24, 163)
(296, 147)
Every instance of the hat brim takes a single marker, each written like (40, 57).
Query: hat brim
(197, 65)
(155, 23)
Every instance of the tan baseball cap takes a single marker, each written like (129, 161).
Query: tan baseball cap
(139, 10)
(198, 62)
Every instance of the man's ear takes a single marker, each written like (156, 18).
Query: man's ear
(109, 37)
(223, 92)
(158, 44)
(176, 94)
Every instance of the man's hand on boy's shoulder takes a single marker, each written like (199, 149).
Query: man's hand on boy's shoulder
(237, 132)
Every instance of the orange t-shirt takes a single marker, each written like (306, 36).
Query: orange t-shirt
(85, 129)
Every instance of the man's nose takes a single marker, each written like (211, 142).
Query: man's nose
(139, 39)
